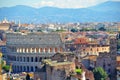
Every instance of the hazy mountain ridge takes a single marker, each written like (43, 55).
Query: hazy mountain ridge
(105, 12)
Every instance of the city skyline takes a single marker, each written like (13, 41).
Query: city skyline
(53, 3)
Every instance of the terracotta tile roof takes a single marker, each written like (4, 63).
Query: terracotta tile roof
(80, 41)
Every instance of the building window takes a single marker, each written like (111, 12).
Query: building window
(17, 58)
(27, 59)
(20, 58)
(17, 68)
(25, 50)
(104, 65)
(20, 68)
(46, 49)
(36, 68)
(41, 50)
(24, 59)
(56, 50)
(40, 59)
(29, 49)
(31, 68)
(14, 67)
(109, 64)
(24, 68)
(50, 49)
(31, 59)
(91, 49)
(36, 59)
(109, 70)
(27, 68)
(14, 58)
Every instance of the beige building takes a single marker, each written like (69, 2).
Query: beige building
(94, 49)
(118, 67)
(4, 26)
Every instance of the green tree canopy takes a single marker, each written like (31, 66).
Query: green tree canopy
(100, 74)
(78, 71)
(6, 67)
(102, 29)
(74, 30)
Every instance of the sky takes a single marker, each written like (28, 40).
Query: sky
(53, 3)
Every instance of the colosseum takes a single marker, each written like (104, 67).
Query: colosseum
(25, 51)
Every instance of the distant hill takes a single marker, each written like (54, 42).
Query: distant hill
(107, 6)
(105, 12)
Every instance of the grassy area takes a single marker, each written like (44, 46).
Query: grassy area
(78, 71)
(59, 30)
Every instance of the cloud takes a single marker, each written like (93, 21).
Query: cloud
(69, 3)
(43, 3)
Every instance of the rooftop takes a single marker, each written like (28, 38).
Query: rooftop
(55, 63)
(33, 38)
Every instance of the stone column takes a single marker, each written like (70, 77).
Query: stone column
(20, 50)
(17, 50)
(23, 50)
(30, 50)
(35, 50)
(48, 50)
(44, 50)
(53, 50)
(39, 51)
(33, 69)
(26, 50)
(58, 49)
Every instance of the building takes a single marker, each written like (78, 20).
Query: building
(118, 67)
(4, 25)
(104, 60)
(59, 70)
(26, 50)
(63, 66)
(59, 67)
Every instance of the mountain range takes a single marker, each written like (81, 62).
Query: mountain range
(104, 12)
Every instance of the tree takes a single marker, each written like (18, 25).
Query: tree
(74, 30)
(27, 77)
(102, 29)
(39, 30)
(100, 74)
(6, 68)
(78, 71)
